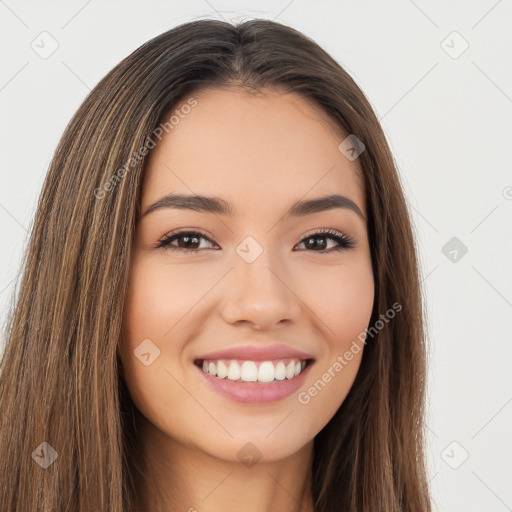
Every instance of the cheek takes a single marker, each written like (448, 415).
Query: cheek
(343, 305)
(159, 303)
(342, 301)
(148, 315)
(159, 297)
(351, 307)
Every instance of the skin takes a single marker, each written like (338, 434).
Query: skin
(261, 153)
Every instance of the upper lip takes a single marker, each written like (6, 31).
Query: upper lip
(257, 353)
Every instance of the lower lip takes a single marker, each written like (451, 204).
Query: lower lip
(256, 392)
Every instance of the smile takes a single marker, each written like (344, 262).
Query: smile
(254, 382)
(253, 371)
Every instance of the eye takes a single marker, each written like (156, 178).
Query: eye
(315, 240)
(190, 241)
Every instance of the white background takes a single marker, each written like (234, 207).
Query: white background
(448, 121)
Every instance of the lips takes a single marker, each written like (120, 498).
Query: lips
(255, 374)
(256, 353)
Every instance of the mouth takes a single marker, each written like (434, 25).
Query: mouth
(254, 382)
(239, 371)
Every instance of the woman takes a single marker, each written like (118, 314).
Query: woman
(220, 304)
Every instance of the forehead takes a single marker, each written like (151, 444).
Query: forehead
(251, 149)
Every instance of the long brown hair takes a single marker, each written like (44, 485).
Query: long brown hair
(62, 382)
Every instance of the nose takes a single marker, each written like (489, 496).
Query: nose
(260, 294)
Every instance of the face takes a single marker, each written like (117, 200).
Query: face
(269, 302)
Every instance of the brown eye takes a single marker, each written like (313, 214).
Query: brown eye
(188, 241)
(315, 240)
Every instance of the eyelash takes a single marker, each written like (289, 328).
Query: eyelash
(345, 243)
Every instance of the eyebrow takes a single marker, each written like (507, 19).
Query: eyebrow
(220, 206)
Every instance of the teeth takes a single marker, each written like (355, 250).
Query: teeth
(233, 371)
(222, 370)
(266, 372)
(280, 373)
(290, 370)
(249, 371)
(252, 371)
